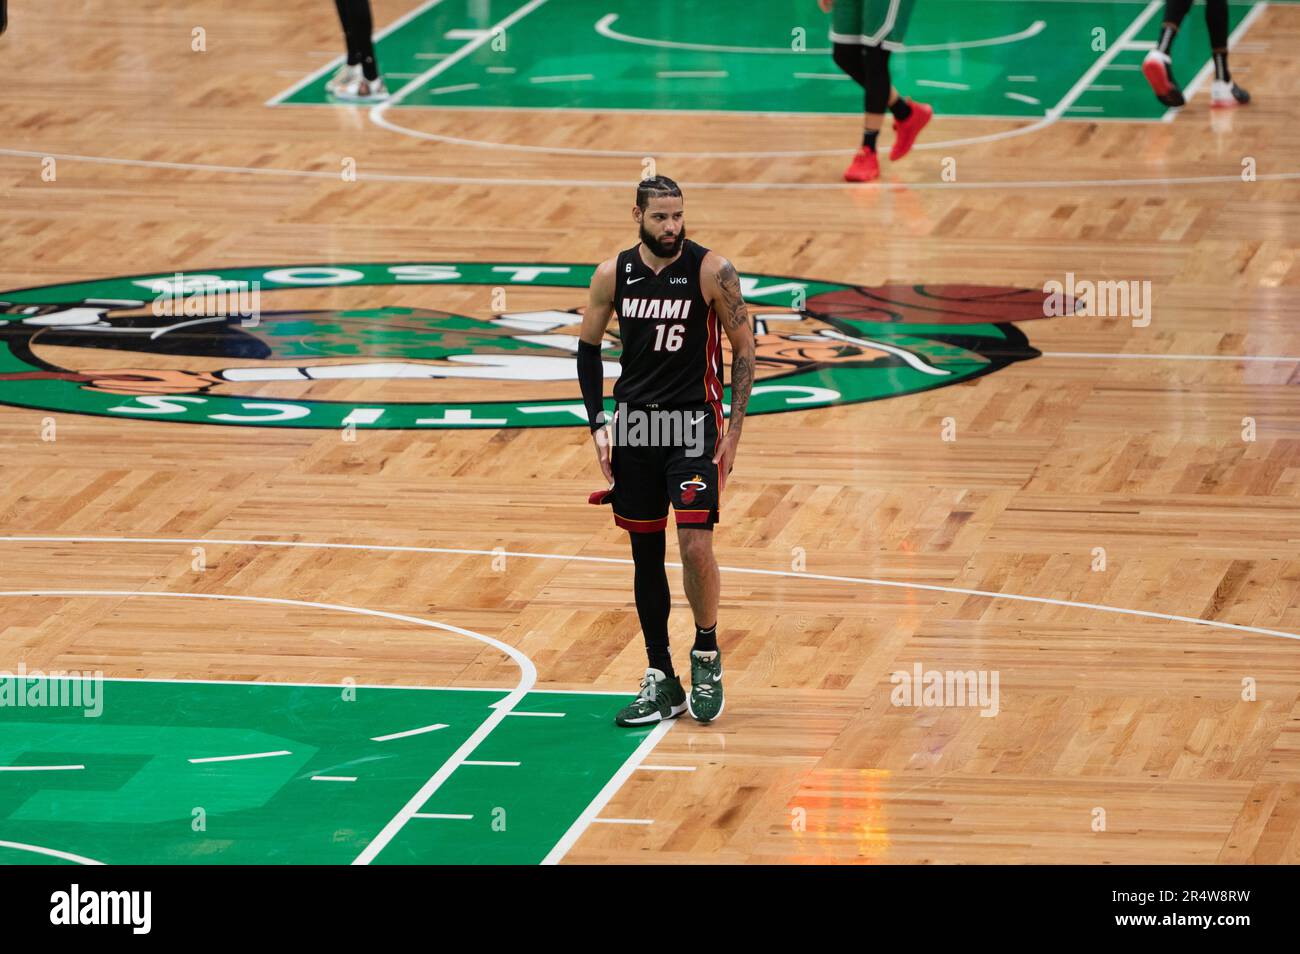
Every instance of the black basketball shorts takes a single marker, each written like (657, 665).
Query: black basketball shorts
(661, 456)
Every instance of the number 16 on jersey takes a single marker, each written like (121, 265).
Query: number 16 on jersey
(669, 337)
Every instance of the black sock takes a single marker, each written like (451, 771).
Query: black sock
(1167, 34)
(901, 109)
(653, 599)
(1221, 67)
(869, 138)
(706, 640)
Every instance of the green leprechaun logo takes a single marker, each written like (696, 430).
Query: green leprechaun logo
(335, 345)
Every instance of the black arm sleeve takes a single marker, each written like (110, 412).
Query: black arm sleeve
(591, 378)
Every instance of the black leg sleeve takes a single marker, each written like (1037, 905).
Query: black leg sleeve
(1216, 18)
(345, 18)
(876, 96)
(1175, 10)
(360, 25)
(653, 599)
(848, 57)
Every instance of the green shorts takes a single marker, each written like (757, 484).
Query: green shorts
(871, 22)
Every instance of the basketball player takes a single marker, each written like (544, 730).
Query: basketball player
(863, 33)
(359, 81)
(674, 300)
(1157, 66)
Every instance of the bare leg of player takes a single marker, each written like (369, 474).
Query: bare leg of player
(700, 576)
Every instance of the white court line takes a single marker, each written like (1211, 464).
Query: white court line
(604, 26)
(1174, 357)
(822, 76)
(501, 709)
(577, 558)
(1024, 98)
(1055, 113)
(1207, 70)
(377, 116)
(441, 815)
(623, 821)
(581, 823)
(562, 78)
(602, 798)
(666, 768)
(377, 111)
(240, 758)
(539, 715)
(51, 852)
(335, 685)
(492, 764)
(941, 84)
(441, 90)
(40, 768)
(1022, 79)
(333, 778)
(340, 59)
(409, 732)
(690, 74)
(621, 184)
(1105, 89)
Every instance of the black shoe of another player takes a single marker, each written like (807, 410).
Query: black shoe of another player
(1158, 69)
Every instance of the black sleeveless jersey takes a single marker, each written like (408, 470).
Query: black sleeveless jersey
(672, 340)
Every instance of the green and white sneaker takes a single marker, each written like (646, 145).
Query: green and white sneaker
(661, 697)
(706, 686)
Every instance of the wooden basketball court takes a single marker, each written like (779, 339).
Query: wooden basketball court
(1089, 521)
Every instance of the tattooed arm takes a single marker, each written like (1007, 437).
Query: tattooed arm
(721, 287)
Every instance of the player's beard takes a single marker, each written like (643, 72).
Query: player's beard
(662, 249)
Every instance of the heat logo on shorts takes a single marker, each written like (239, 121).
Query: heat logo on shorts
(692, 487)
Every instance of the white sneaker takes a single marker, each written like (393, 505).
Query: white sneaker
(1225, 93)
(346, 75)
(362, 90)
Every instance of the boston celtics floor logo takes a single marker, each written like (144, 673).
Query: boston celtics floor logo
(338, 345)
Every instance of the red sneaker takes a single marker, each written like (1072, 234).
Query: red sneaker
(864, 167)
(906, 131)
